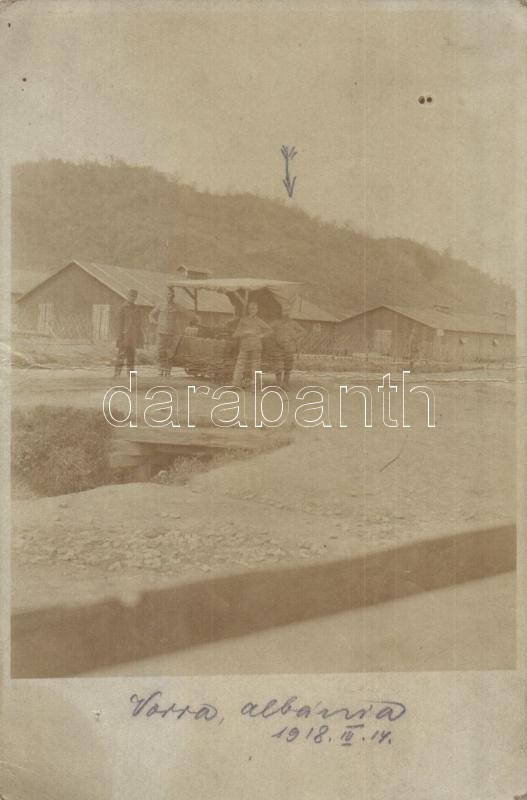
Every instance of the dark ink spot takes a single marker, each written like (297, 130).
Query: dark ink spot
(421, 99)
(8, 24)
(24, 79)
(429, 99)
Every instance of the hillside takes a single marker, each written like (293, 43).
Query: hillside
(137, 217)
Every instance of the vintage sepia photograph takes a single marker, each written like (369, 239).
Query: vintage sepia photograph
(262, 346)
(263, 362)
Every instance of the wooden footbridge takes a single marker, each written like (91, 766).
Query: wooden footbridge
(143, 451)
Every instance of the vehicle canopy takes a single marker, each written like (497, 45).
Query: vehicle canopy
(272, 296)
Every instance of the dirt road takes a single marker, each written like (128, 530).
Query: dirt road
(333, 493)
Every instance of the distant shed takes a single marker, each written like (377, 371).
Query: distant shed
(441, 335)
(22, 280)
(81, 300)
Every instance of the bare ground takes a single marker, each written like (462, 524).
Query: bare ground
(332, 493)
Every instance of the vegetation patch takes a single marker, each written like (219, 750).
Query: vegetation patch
(60, 450)
(155, 216)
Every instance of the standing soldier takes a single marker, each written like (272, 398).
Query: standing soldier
(171, 320)
(129, 333)
(287, 337)
(250, 332)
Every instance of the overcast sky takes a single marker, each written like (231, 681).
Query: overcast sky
(212, 91)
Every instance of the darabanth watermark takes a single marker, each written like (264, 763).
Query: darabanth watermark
(271, 405)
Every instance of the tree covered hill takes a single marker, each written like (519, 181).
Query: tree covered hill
(138, 217)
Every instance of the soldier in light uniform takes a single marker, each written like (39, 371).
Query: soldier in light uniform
(250, 332)
(171, 320)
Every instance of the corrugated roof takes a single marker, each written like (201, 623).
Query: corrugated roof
(305, 310)
(151, 285)
(455, 321)
(24, 280)
(151, 288)
(459, 321)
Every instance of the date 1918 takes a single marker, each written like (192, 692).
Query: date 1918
(322, 734)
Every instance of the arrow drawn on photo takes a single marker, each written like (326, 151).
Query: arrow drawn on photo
(288, 155)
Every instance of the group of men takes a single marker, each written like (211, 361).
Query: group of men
(172, 319)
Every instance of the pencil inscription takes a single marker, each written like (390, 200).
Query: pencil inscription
(151, 706)
(343, 725)
(370, 722)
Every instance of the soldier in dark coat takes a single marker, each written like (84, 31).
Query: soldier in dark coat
(129, 333)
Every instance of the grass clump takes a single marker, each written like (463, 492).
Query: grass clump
(59, 450)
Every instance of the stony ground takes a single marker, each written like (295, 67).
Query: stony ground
(332, 493)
